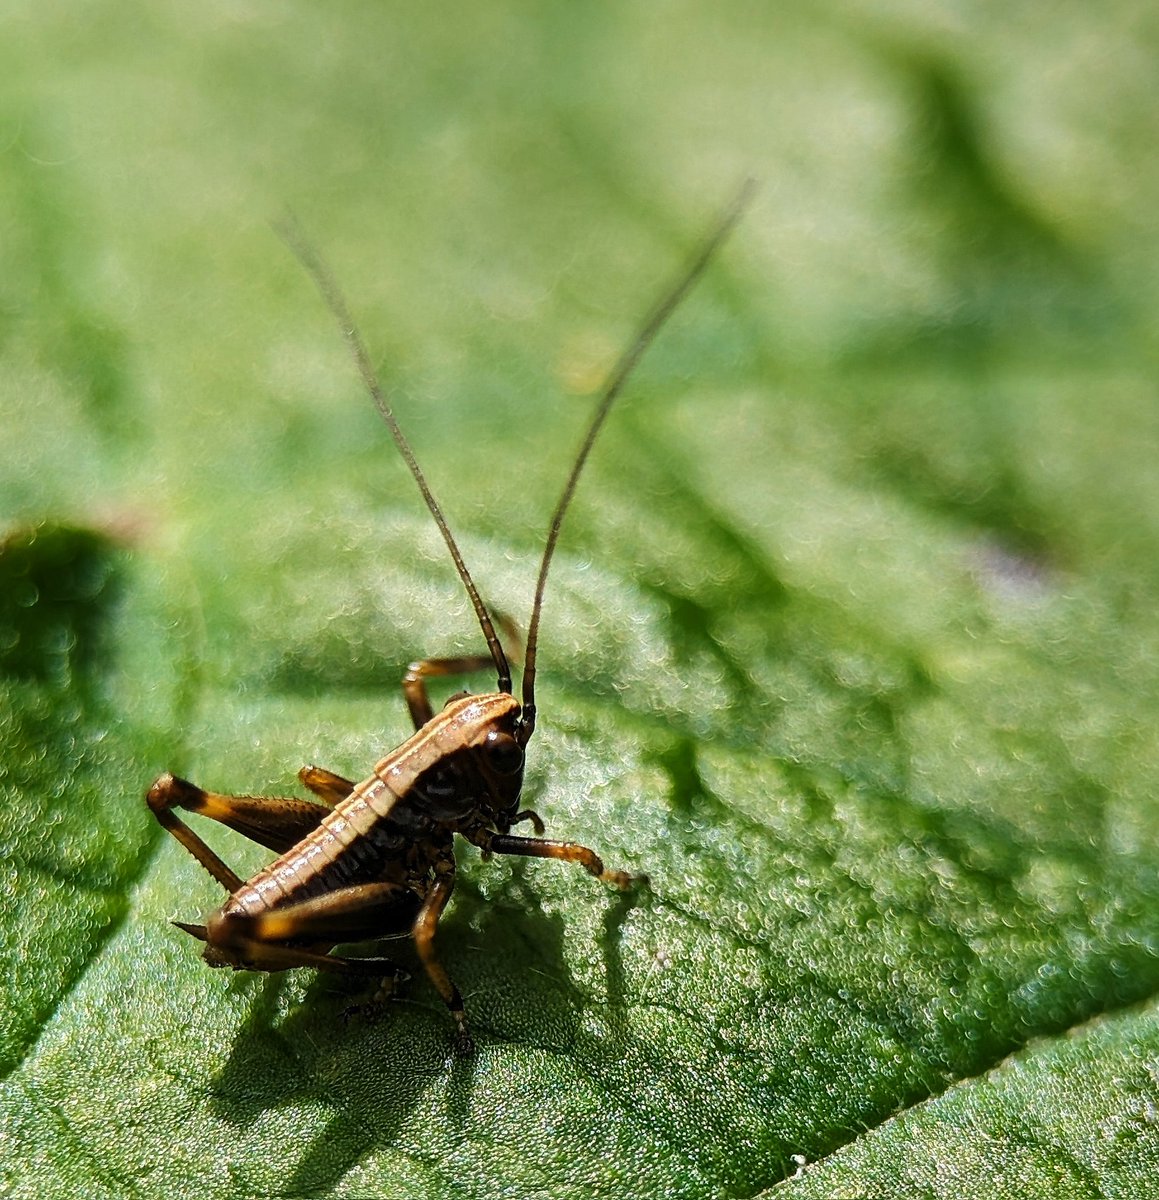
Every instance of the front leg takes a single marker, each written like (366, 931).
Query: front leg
(505, 843)
(525, 814)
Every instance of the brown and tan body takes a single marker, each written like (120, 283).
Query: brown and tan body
(377, 858)
(395, 826)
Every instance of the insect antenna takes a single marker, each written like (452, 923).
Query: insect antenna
(651, 326)
(291, 233)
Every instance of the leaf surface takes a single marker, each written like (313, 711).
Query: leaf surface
(851, 643)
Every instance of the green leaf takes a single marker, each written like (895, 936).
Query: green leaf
(851, 643)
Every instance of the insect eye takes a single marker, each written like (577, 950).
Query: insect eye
(504, 754)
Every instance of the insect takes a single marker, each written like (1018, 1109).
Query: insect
(376, 858)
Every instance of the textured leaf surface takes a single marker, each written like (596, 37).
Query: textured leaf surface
(852, 643)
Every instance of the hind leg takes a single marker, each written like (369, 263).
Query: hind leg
(276, 822)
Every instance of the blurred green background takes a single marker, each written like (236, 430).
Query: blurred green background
(851, 643)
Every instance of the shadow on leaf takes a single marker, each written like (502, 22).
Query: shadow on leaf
(378, 1075)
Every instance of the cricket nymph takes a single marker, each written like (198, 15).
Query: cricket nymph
(376, 859)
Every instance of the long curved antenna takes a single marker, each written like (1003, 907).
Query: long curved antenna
(651, 326)
(291, 233)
